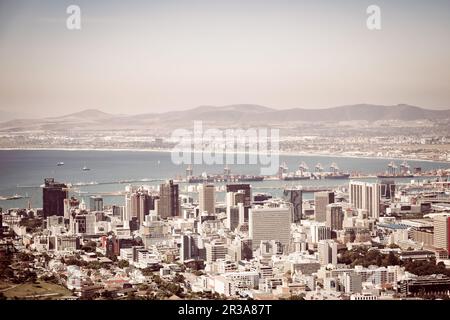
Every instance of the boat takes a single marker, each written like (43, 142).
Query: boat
(295, 177)
(15, 197)
(404, 171)
(247, 178)
(85, 168)
(336, 173)
(395, 175)
(59, 164)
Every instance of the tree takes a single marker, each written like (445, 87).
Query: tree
(123, 264)
(179, 278)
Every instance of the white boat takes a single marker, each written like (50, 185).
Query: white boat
(85, 168)
(59, 164)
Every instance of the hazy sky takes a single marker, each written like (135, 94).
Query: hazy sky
(151, 56)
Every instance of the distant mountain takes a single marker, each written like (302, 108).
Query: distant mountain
(87, 114)
(93, 119)
(365, 112)
(7, 116)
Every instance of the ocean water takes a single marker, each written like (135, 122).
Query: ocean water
(23, 171)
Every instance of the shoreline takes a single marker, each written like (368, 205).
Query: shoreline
(281, 153)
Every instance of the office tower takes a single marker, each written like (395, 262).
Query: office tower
(321, 200)
(169, 203)
(319, 231)
(335, 216)
(215, 250)
(96, 203)
(441, 238)
(352, 282)
(247, 196)
(327, 252)
(53, 195)
(232, 217)
(240, 249)
(67, 208)
(365, 196)
(207, 198)
(387, 188)
(138, 205)
(294, 196)
(266, 223)
(82, 224)
(189, 247)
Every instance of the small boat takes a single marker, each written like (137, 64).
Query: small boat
(85, 168)
(15, 197)
(59, 164)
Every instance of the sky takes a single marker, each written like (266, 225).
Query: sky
(164, 55)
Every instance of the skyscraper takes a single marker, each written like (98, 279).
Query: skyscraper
(53, 195)
(387, 187)
(270, 223)
(232, 217)
(215, 250)
(189, 247)
(335, 216)
(441, 238)
(294, 196)
(207, 198)
(321, 200)
(319, 231)
(327, 252)
(366, 196)
(246, 199)
(169, 202)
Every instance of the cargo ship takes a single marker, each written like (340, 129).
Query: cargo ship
(283, 173)
(392, 172)
(336, 173)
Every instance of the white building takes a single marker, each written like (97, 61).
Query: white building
(266, 223)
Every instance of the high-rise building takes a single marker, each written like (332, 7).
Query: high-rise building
(319, 231)
(365, 196)
(207, 198)
(189, 247)
(294, 196)
(215, 250)
(321, 200)
(270, 223)
(245, 196)
(138, 204)
(96, 203)
(387, 188)
(232, 217)
(53, 195)
(169, 202)
(82, 224)
(327, 252)
(352, 282)
(441, 238)
(335, 216)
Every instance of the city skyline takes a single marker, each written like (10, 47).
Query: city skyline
(166, 56)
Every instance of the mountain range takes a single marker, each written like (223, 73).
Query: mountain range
(93, 119)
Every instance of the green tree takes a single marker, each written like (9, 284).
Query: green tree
(123, 264)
